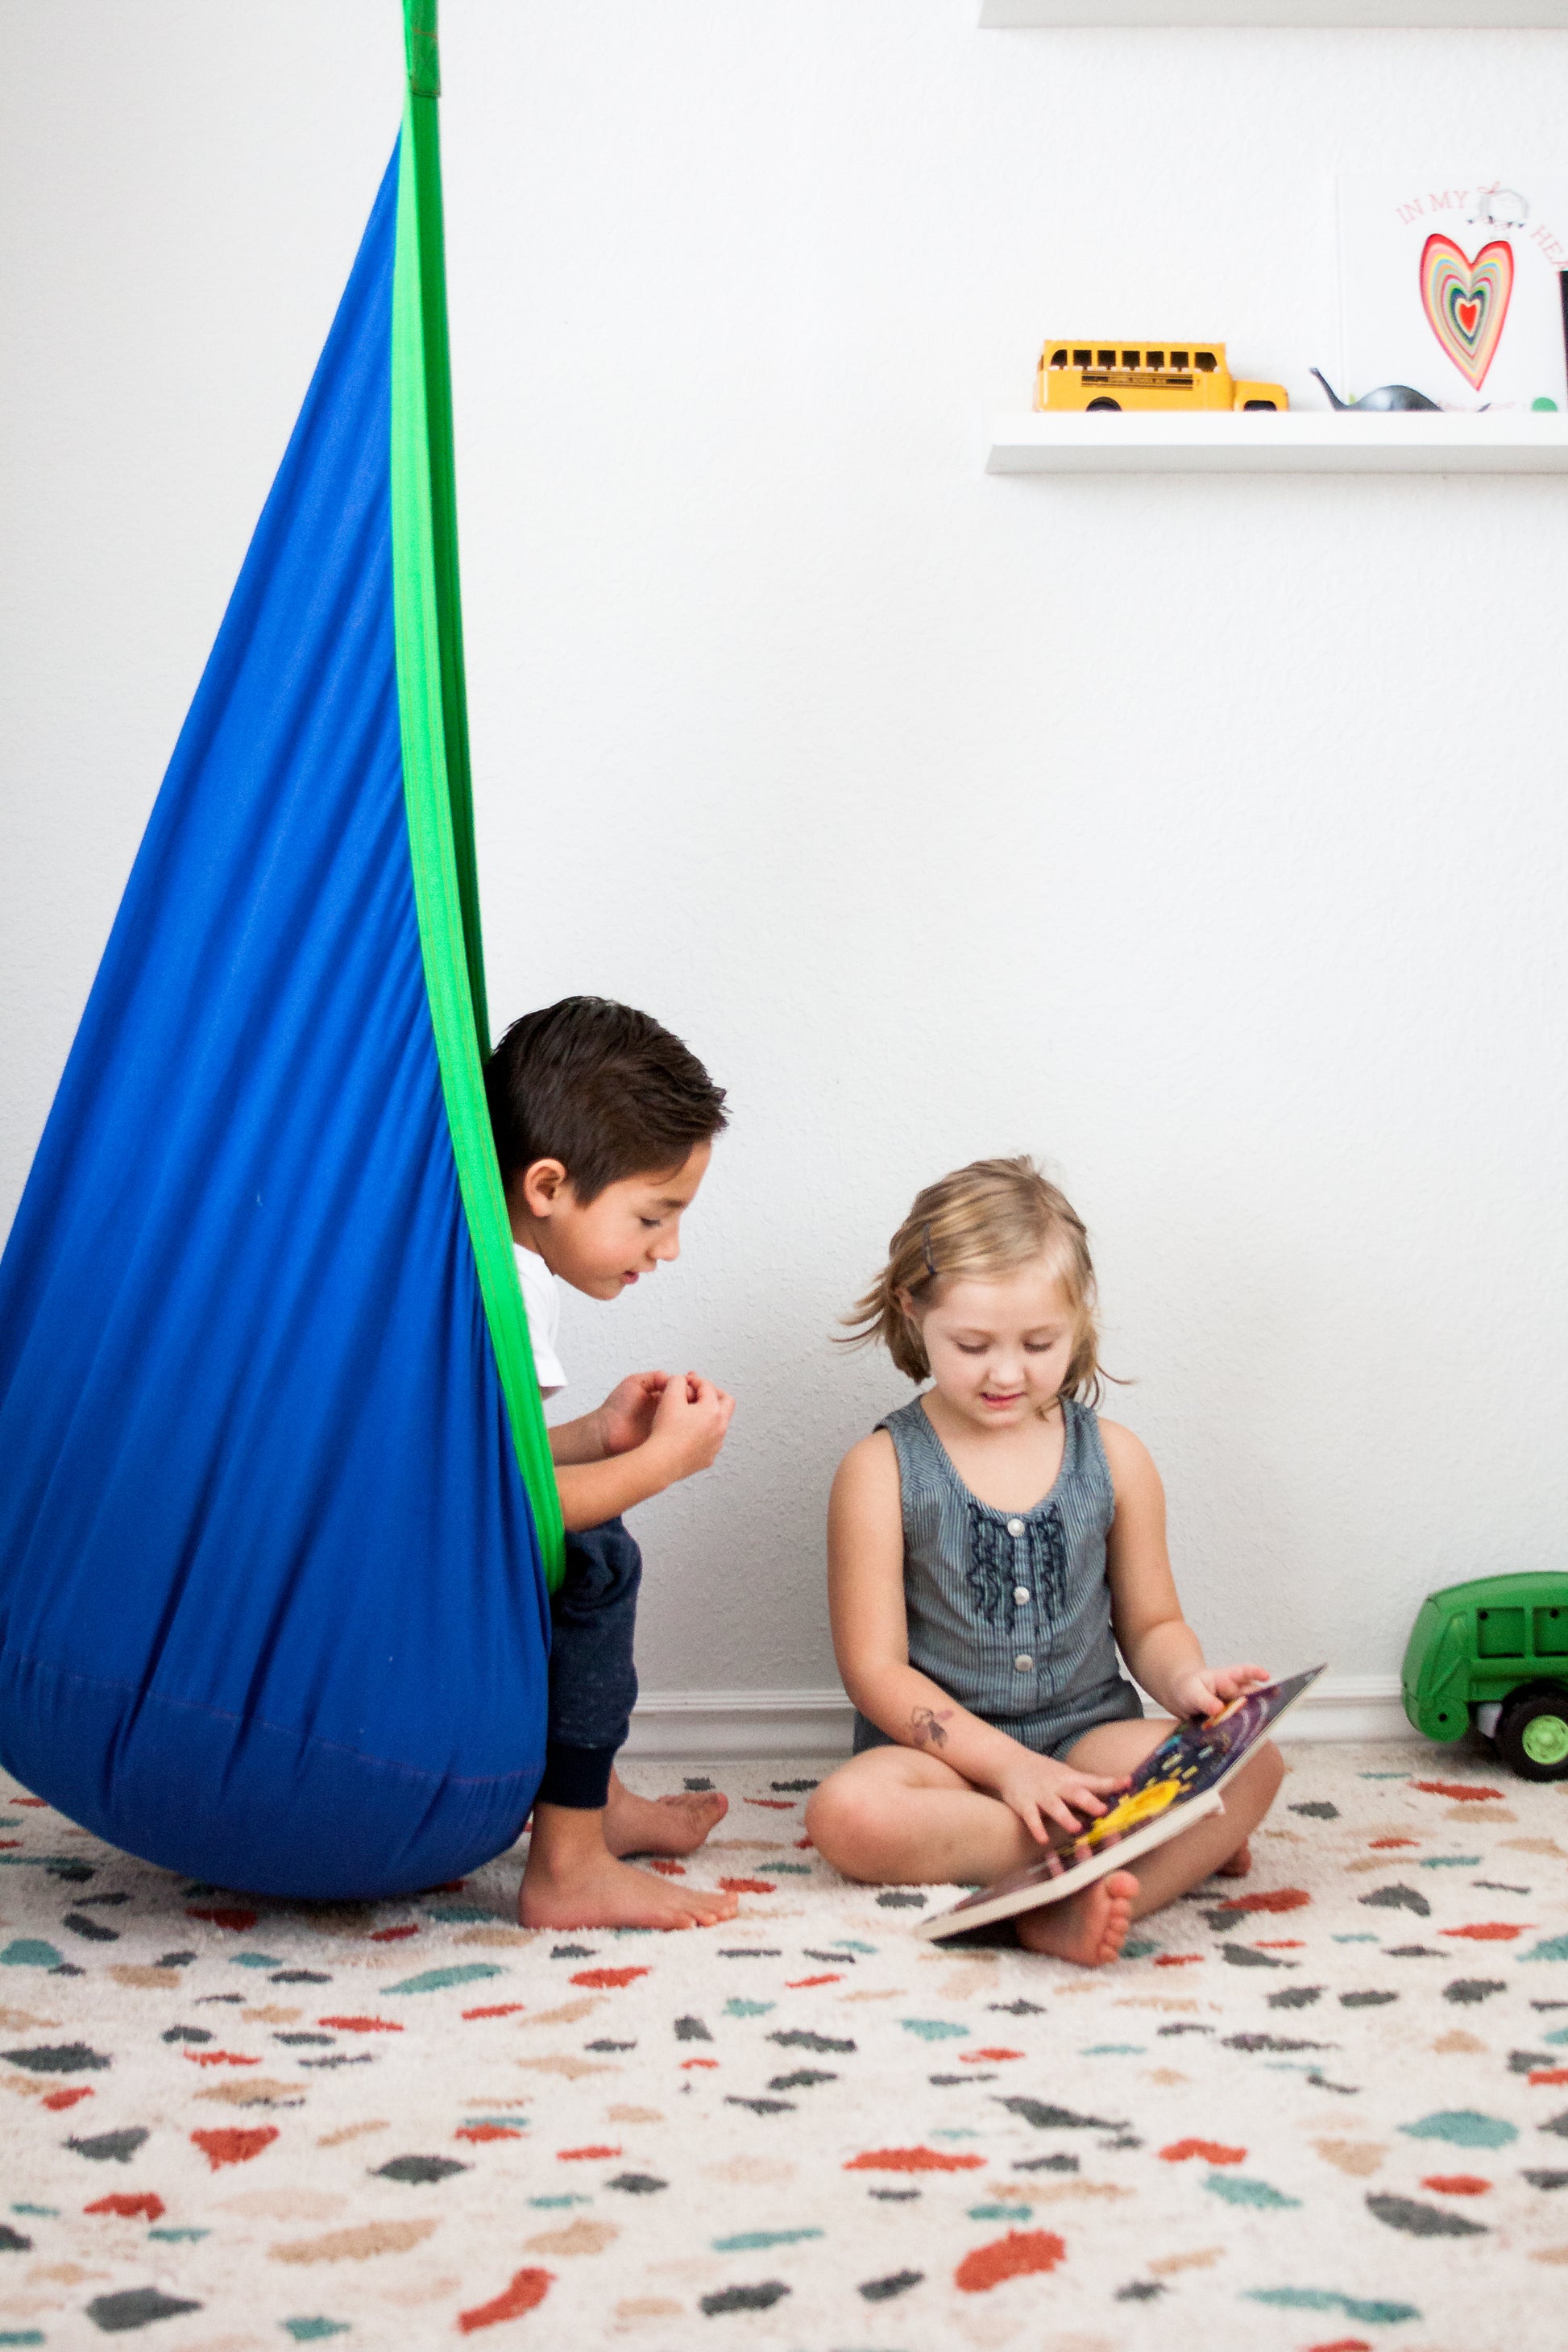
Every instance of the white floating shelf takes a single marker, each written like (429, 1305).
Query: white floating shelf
(1304, 441)
(1443, 15)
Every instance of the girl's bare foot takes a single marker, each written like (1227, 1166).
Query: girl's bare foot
(1089, 1928)
(597, 1891)
(662, 1825)
(1239, 1863)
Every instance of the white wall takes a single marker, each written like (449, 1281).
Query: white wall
(1207, 836)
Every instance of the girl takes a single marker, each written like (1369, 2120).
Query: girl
(991, 1548)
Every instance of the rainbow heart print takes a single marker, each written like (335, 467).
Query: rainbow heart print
(1456, 285)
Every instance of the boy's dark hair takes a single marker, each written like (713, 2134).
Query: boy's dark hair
(600, 1088)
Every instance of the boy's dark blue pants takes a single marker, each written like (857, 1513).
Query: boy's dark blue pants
(593, 1682)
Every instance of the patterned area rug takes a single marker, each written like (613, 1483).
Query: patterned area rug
(1323, 2108)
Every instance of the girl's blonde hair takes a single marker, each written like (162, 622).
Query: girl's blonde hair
(988, 1219)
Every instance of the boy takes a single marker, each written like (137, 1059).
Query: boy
(604, 1125)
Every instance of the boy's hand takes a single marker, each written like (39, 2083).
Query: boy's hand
(1040, 1790)
(689, 1424)
(627, 1415)
(1203, 1691)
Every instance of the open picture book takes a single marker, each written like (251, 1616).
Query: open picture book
(1174, 1785)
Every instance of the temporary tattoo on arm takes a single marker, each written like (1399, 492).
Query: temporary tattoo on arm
(925, 1724)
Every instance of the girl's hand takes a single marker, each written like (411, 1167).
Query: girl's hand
(1040, 1790)
(1203, 1691)
(626, 1417)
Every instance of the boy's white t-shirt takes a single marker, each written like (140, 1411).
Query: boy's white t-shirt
(542, 1298)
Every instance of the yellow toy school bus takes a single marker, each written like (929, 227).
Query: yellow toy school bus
(1085, 374)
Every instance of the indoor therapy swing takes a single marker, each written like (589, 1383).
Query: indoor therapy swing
(276, 1512)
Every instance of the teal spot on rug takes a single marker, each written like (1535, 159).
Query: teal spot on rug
(1318, 2299)
(848, 1944)
(754, 2242)
(44, 2212)
(1384, 1775)
(934, 2028)
(315, 2331)
(1464, 2127)
(28, 1952)
(1114, 2050)
(1561, 2035)
(254, 1960)
(954, 2131)
(179, 2237)
(748, 2007)
(550, 2204)
(460, 1914)
(21, 2336)
(438, 1980)
(790, 1869)
(1451, 1862)
(1236, 2189)
(1555, 1948)
(1359, 1940)
(1001, 2213)
(1138, 1951)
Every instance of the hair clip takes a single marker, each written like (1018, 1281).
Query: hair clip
(925, 1249)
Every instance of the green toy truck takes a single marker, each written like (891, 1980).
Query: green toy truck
(1494, 1653)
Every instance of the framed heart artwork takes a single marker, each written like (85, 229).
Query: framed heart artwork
(1456, 285)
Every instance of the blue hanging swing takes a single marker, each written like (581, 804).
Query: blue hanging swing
(277, 1514)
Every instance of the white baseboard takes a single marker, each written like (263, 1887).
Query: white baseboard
(723, 1727)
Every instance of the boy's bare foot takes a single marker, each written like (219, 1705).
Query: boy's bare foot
(662, 1825)
(595, 1890)
(1239, 1864)
(1089, 1928)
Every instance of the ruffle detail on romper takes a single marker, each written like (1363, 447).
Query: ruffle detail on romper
(993, 1567)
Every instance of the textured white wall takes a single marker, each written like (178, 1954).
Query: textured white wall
(1207, 836)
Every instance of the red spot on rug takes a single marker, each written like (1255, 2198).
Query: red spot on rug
(360, 2024)
(799, 1984)
(450, 1886)
(805, 1845)
(526, 2293)
(392, 1934)
(668, 1869)
(773, 1804)
(1278, 1898)
(219, 2058)
(1178, 1960)
(1211, 2150)
(7, 1843)
(1278, 1944)
(1020, 2254)
(58, 2099)
(1343, 2344)
(607, 1979)
(239, 1923)
(28, 1801)
(584, 2155)
(748, 1886)
(1550, 2074)
(145, 2208)
(979, 2057)
(1456, 2184)
(1486, 1931)
(487, 2131)
(502, 2008)
(911, 2159)
(1463, 1792)
(221, 2148)
(1382, 1845)
(687, 2063)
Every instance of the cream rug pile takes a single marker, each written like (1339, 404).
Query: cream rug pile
(1323, 2108)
